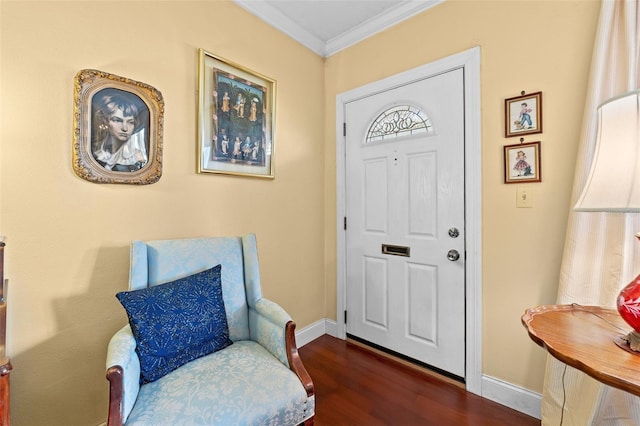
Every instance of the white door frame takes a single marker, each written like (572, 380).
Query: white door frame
(469, 60)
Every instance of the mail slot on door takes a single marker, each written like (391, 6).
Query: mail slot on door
(396, 250)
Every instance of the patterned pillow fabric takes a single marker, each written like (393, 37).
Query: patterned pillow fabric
(177, 322)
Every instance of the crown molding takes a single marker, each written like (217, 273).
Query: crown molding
(378, 24)
(280, 21)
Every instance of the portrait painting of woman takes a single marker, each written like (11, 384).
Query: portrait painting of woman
(119, 140)
(118, 129)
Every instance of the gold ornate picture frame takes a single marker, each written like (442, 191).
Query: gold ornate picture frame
(117, 129)
(236, 113)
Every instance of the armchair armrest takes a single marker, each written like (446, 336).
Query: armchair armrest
(272, 327)
(295, 362)
(123, 373)
(267, 321)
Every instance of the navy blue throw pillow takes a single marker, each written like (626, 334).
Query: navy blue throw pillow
(177, 322)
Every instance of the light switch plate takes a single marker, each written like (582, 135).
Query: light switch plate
(524, 198)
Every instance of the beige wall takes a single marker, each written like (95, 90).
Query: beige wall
(67, 252)
(525, 45)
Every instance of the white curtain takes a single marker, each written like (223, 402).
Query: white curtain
(601, 254)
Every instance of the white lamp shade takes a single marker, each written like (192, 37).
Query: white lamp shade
(614, 179)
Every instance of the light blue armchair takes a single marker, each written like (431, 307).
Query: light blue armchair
(257, 380)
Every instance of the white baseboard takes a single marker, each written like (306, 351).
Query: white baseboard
(315, 330)
(332, 327)
(311, 332)
(496, 390)
(512, 396)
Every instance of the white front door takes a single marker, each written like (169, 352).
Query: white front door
(405, 236)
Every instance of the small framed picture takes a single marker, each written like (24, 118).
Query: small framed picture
(118, 124)
(235, 119)
(523, 115)
(522, 163)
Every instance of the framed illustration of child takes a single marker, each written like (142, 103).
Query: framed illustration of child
(522, 163)
(523, 115)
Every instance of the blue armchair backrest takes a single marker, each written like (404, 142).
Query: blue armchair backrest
(161, 261)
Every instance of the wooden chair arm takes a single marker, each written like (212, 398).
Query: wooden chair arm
(295, 362)
(116, 396)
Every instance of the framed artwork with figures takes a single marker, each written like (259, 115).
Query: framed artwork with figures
(235, 119)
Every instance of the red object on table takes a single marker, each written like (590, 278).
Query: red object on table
(628, 303)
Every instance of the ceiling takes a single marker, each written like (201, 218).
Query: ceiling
(328, 26)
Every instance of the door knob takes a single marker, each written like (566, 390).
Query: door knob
(453, 255)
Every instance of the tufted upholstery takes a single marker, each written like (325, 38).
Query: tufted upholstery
(257, 380)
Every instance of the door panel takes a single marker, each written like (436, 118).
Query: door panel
(375, 292)
(375, 195)
(407, 191)
(422, 302)
(422, 193)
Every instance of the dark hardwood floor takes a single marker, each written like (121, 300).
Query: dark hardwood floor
(355, 386)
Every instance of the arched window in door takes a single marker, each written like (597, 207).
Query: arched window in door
(399, 120)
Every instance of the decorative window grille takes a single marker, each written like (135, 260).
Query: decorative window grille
(401, 120)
